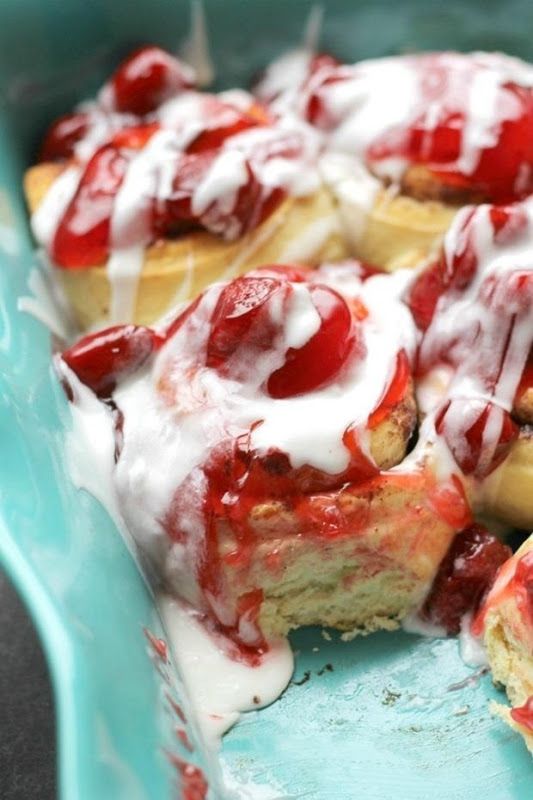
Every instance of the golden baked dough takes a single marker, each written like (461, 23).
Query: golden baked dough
(301, 229)
(402, 231)
(507, 492)
(368, 576)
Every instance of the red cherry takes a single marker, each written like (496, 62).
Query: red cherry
(82, 237)
(523, 579)
(465, 574)
(507, 222)
(223, 121)
(317, 111)
(136, 136)
(241, 317)
(320, 360)
(253, 203)
(63, 135)
(523, 715)
(102, 359)
(147, 78)
(424, 295)
(467, 445)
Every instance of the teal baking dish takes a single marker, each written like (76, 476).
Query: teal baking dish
(391, 715)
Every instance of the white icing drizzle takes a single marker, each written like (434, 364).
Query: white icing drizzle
(221, 688)
(471, 647)
(46, 218)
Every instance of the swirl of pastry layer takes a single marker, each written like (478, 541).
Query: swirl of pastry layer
(506, 623)
(420, 135)
(256, 457)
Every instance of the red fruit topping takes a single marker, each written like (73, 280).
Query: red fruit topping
(102, 359)
(395, 392)
(193, 785)
(523, 580)
(136, 136)
(451, 503)
(241, 317)
(82, 237)
(464, 423)
(424, 295)
(319, 360)
(523, 715)
(223, 121)
(63, 135)
(507, 222)
(465, 574)
(254, 202)
(147, 78)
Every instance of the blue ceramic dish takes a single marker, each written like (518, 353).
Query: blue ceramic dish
(386, 716)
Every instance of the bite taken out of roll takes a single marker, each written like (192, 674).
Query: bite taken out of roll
(411, 139)
(154, 190)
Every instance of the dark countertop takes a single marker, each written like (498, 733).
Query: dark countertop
(27, 735)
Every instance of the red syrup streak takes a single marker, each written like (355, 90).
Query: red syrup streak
(158, 646)
(181, 734)
(464, 576)
(147, 78)
(523, 715)
(192, 779)
(177, 709)
(523, 586)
